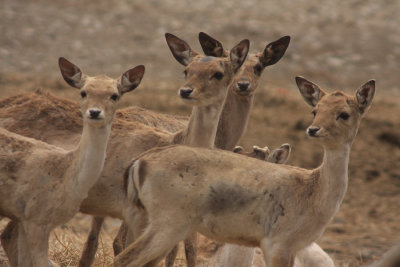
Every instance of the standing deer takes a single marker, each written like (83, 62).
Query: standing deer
(238, 104)
(207, 80)
(42, 186)
(240, 97)
(130, 136)
(235, 113)
(232, 199)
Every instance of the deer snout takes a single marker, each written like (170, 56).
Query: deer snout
(243, 86)
(185, 92)
(312, 130)
(94, 113)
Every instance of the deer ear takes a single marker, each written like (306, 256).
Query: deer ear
(71, 73)
(364, 96)
(211, 47)
(131, 79)
(180, 49)
(310, 91)
(274, 51)
(280, 155)
(261, 153)
(238, 149)
(238, 54)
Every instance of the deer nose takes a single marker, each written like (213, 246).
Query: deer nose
(94, 113)
(243, 86)
(185, 92)
(312, 130)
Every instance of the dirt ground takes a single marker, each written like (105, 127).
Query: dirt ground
(338, 45)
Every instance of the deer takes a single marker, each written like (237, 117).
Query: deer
(226, 197)
(207, 80)
(42, 185)
(235, 113)
(279, 155)
(238, 105)
(128, 119)
(311, 256)
(233, 255)
(240, 98)
(391, 258)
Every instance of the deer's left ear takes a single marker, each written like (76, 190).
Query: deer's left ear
(274, 51)
(131, 79)
(364, 96)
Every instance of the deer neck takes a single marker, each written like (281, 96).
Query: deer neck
(233, 121)
(87, 160)
(202, 127)
(333, 179)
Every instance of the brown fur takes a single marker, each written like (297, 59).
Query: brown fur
(130, 138)
(291, 218)
(126, 120)
(48, 183)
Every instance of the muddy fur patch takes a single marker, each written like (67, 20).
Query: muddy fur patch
(228, 198)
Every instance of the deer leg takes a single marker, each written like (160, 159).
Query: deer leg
(119, 242)
(131, 228)
(170, 259)
(152, 245)
(24, 253)
(92, 242)
(9, 241)
(276, 255)
(191, 250)
(36, 244)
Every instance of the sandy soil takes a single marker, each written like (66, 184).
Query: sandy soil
(338, 45)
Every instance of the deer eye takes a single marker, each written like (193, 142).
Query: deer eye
(184, 73)
(114, 97)
(218, 75)
(344, 116)
(257, 69)
(314, 112)
(83, 94)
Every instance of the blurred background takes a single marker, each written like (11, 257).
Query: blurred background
(336, 44)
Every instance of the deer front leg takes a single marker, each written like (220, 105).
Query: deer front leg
(170, 259)
(34, 241)
(9, 241)
(92, 243)
(191, 250)
(277, 255)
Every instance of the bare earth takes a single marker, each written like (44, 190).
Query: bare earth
(338, 45)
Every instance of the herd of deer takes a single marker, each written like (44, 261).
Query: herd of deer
(168, 177)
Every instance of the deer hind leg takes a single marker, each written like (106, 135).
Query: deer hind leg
(9, 241)
(156, 241)
(92, 243)
(119, 242)
(133, 226)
